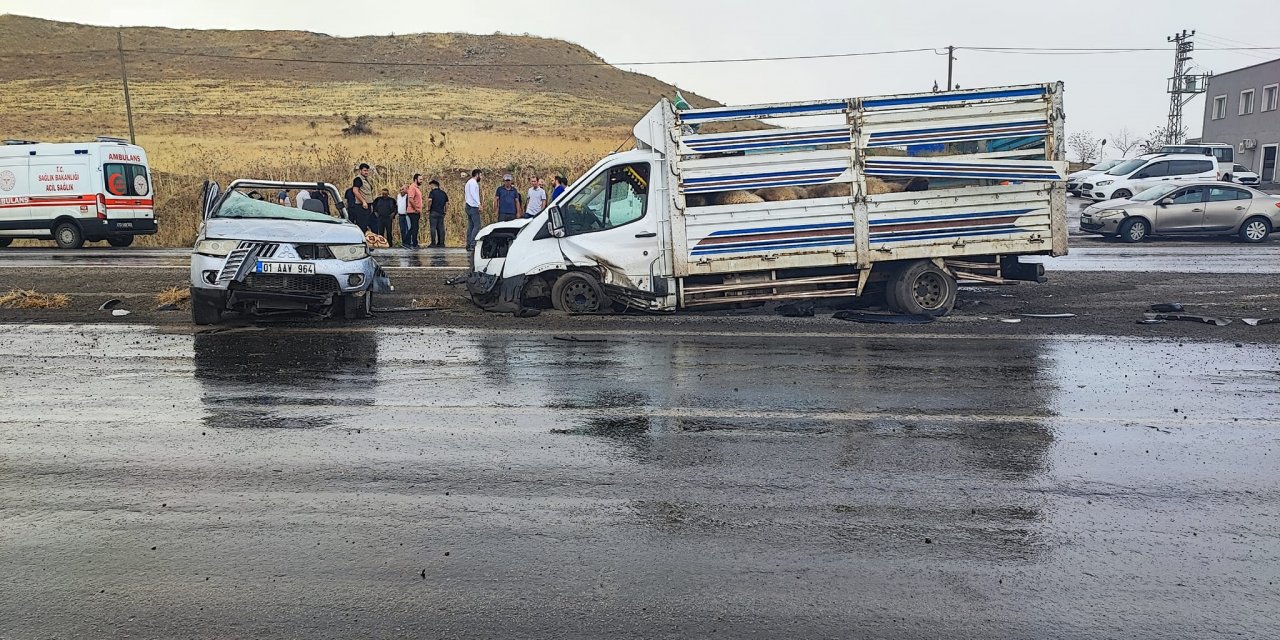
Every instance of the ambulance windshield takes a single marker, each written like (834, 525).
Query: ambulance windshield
(239, 205)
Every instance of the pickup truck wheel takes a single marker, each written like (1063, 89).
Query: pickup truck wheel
(120, 241)
(577, 292)
(68, 236)
(1134, 230)
(206, 308)
(1255, 230)
(921, 288)
(357, 307)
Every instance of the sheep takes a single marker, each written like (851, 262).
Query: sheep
(778, 194)
(737, 197)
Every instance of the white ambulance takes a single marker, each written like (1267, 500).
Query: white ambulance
(75, 192)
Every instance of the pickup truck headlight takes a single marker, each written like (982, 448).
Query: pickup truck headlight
(349, 252)
(216, 248)
(1104, 183)
(1110, 213)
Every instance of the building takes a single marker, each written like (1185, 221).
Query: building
(1242, 108)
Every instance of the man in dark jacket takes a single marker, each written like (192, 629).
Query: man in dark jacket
(437, 200)
(384, 207)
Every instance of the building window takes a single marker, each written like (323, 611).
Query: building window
(1246, 102)
(1270, 97)
(1219, 107)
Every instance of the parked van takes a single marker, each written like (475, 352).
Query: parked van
(1223, 153)
(1141, 173)
(75, 192)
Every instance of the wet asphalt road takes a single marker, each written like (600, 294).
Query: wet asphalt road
(333, 483)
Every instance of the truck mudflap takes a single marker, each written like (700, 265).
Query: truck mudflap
(496, 294)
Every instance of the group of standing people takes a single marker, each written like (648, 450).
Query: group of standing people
(379, 214)
(508, 202)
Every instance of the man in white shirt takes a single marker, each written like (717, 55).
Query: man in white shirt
(303, 196)
(402, 213)
(472, 201)
(537, 198)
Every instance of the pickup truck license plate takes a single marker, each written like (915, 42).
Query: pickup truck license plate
(290, 268)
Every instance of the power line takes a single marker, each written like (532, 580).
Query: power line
(395, 63)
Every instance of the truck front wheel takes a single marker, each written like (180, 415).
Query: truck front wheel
(921, 288)
(578, 292)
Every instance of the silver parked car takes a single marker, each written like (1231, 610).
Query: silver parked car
(256, 256)
(1199, 208)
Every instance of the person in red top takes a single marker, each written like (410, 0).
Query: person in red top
(414, 210)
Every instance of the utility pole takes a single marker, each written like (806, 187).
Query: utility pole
(1182, 84)
(951, 57)
(124, 76)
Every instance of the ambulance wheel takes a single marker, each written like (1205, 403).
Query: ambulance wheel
(578, 292)
(4, 242)
(120, 241)
(68, 235)
(921, 288)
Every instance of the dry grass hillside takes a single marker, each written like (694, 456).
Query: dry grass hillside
(505, 103)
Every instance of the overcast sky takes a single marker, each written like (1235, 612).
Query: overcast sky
(1104, 91)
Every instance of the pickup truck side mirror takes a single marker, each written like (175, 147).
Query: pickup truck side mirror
(555, 223)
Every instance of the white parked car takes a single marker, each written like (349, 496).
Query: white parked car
(257, 257)
(1197, 208)
(1139, 174)
(1074, 180)
(1242, 175)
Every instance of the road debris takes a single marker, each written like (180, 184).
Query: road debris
(32, 299)
(882, 318)
(1253, 322)
(110, 304)
(119, 312)
(1048, 316)
(1187, 317)
(1167, 307)
(803, 309)
(1011, 320)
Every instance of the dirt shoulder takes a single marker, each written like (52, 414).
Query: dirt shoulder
(1105, 304)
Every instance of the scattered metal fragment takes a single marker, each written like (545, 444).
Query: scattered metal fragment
(110, 304)
(1186, 317)
(404, 309)
(1011, 320)
(1048, 316)
(1167, 307)
(1152, 321)
(882, 318)
(119, 312)
(1253, 322)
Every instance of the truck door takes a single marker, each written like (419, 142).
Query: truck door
(15, 212)
(611, 223)
(128, 188)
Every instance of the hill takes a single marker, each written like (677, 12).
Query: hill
(440, 103)
(494, 79)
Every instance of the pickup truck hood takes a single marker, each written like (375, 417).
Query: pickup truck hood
(293, 231)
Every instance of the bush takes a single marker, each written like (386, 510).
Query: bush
(362, 125)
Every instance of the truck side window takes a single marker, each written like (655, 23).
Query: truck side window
(616, 197)
(126, 179)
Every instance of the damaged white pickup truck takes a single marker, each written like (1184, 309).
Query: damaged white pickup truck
(256, 257)
(905, 195)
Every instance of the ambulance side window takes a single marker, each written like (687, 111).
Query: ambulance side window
(126, 179)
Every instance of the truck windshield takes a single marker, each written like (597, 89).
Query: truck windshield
(239, 205)
(1126, 167)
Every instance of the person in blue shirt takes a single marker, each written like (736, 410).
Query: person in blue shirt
(507, 200)
(561, 184)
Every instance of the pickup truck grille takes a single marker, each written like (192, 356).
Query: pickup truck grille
(237, 257)
(291, 283)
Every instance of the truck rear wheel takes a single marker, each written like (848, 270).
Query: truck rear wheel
(921, 288)
(120, 241)
(4, 242)
(68, 235)
(578, 292)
